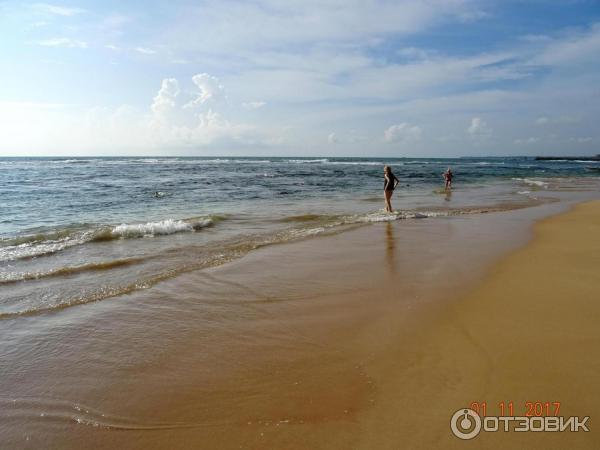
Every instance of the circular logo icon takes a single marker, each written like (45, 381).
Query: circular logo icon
(465, 424)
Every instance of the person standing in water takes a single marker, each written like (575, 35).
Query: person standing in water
(388, 188)
(448, 175)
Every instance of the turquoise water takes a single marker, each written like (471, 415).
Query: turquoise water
(75, 230)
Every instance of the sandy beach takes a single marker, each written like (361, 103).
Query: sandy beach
(527, 333)
(370, 338)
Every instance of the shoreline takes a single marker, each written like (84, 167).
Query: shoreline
(79, 259)
(293, 346)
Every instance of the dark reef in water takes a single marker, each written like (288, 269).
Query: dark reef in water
(568, 158)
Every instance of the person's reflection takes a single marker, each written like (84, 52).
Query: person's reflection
(391, 247)
(448, 196)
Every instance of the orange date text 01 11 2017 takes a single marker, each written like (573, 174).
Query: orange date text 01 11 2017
(510, 408)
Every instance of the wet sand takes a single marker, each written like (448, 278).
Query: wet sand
(371, 338)
(527, 333)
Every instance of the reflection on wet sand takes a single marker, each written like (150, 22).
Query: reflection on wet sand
(390, 247)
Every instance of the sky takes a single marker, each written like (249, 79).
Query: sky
(428, 78)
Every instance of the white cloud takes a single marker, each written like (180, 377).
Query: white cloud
(63, 42)
(112, 47)
(62, 129)
(576, 47)
(56, 9)
(352, 137)
(181, 126)
(210, 89)
(402, 132)
(164, 102)
(479, 129)
(145, 51)
(268, 24)
(253, 105)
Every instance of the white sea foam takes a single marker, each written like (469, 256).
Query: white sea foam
(307, 161)
(361, 163)
(382, 216)
(227, 161)
(45, 245)
(164, 227)
(532, 182)
(586, 161)
(31, 250)
(487, 163)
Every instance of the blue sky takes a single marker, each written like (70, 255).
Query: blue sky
(327, 77)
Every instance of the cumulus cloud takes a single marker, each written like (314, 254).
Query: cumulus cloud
(210, 89)
(181, 126)
(479, 129)
(332, 138)
(212, 128)
(164, 125)
(164, 102)
(402, 132)
(63, 42)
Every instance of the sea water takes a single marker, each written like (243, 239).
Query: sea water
(78, 230)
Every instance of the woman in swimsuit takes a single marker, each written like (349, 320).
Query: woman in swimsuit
(388, 188)
(448, 175)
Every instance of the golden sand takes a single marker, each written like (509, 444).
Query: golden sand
(528, 333)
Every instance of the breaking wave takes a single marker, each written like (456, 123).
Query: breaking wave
(40, 244)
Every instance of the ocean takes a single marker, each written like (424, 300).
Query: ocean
(80, 230)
